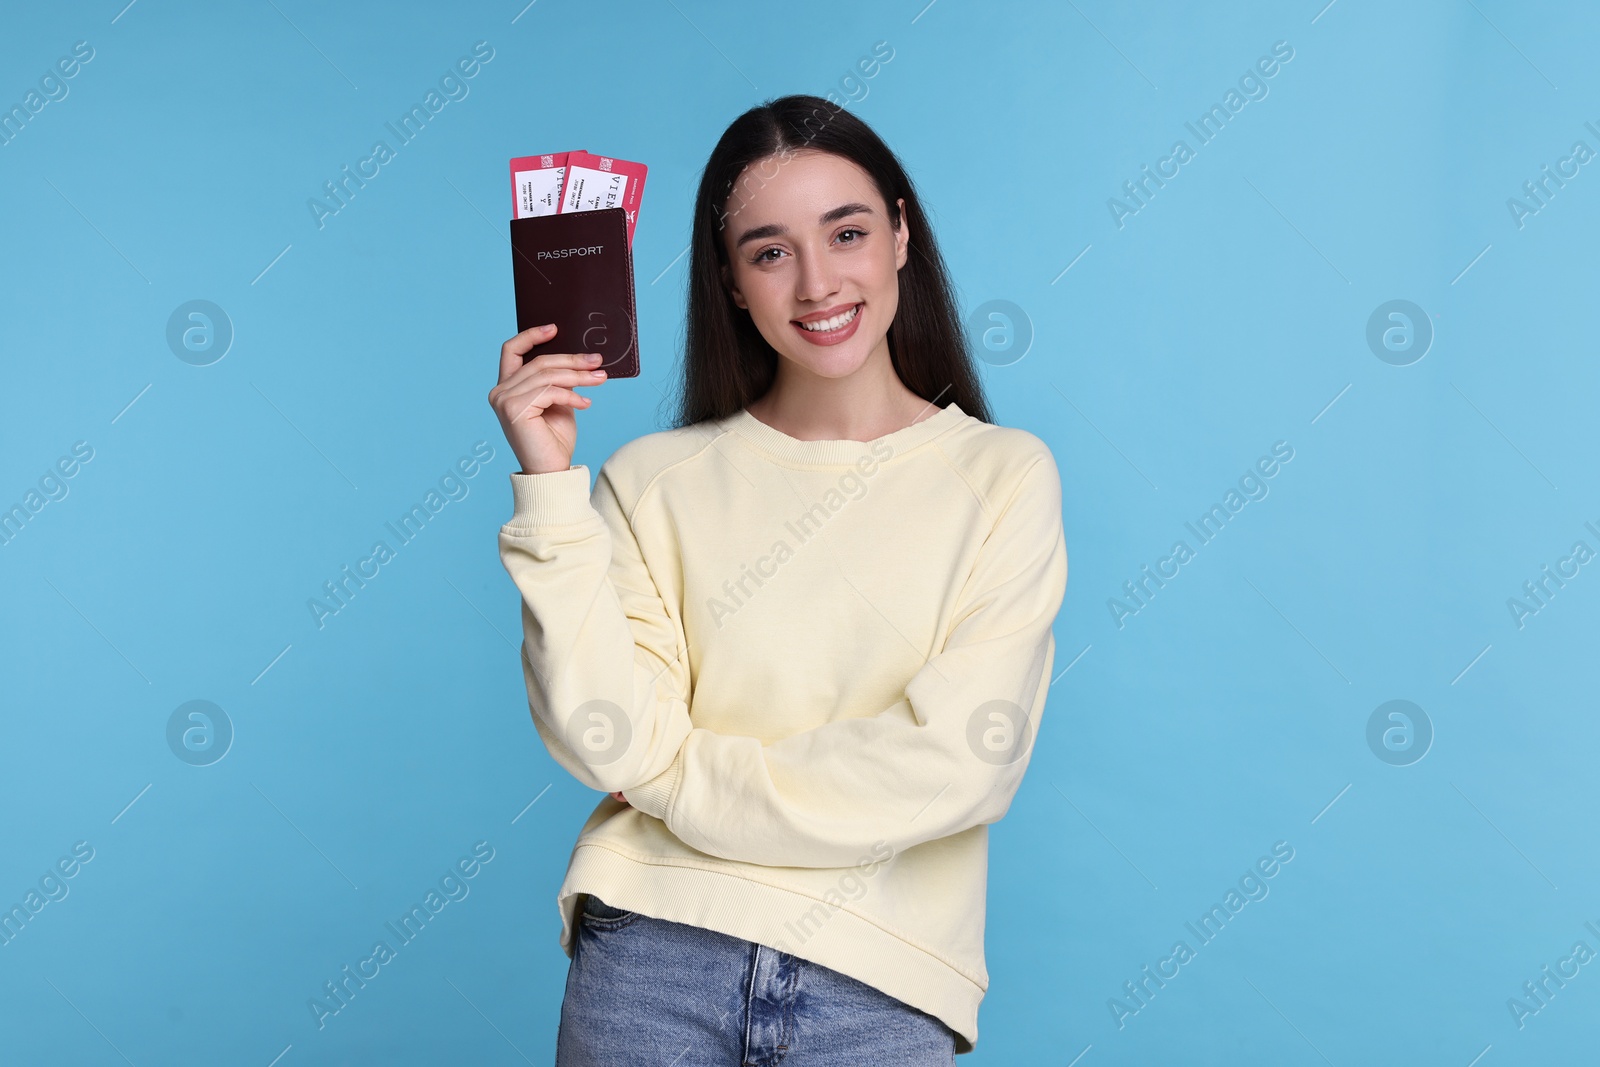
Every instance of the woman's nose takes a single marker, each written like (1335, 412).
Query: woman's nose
(818, 278)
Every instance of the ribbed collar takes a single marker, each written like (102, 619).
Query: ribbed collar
(780, 445)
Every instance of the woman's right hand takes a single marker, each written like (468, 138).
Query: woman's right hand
(535, 400)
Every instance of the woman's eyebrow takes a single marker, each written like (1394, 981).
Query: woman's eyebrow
(778, 230)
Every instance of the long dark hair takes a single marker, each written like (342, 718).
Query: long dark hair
(727, 363)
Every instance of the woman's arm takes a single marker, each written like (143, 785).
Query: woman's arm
(603, 661)
(948, 756)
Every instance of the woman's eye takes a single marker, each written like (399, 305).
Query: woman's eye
(763, 257)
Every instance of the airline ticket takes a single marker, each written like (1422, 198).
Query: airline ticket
(561, 182)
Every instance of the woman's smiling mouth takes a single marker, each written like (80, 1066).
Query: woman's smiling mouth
(832, 329)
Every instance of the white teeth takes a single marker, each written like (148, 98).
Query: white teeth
(833, 323)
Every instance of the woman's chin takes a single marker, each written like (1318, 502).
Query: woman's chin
(830, 361)
(837, 361)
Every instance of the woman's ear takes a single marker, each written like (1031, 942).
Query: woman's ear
(902, 237)
(733, 290)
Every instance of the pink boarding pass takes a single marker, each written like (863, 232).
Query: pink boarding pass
(536, 184)
(596, 182)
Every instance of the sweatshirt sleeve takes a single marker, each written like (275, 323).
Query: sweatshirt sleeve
(946, 757)
(602, 657)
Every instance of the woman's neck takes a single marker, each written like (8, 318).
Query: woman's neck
(862, 407)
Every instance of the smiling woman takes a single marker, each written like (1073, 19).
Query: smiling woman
(859, 701)
(855, 245)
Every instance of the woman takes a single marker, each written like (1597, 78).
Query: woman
(803, 640)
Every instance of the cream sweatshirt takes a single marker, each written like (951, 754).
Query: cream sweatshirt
(815, 669)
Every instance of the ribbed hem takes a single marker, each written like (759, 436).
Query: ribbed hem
(654, 796)
(557, 498)
(781, 446)
(756, 911)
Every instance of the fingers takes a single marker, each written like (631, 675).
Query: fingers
(521, 391)
(549, 369)
(534, 402)
(512, 351)
(546, 374)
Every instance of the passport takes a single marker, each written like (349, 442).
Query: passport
(575, 269)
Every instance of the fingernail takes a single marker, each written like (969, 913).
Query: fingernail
(592, 357)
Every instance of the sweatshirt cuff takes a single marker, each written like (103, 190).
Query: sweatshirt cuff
(655, 796)
(556, 498)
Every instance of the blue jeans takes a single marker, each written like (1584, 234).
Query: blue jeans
(653, 992)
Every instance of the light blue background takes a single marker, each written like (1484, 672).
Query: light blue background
(1227, 314)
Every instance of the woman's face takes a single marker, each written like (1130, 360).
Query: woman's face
(809, 241)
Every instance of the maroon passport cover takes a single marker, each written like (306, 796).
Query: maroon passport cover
(575, 269)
